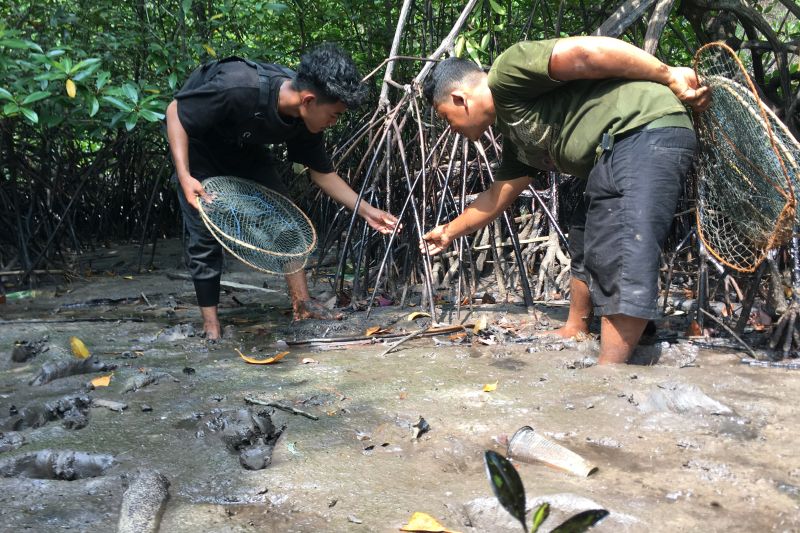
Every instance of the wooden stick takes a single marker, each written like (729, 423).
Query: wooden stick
(282, 407)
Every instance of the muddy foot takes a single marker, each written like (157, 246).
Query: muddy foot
(313, 309)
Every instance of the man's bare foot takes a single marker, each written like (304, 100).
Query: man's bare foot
(211, 331)
(567, 332)
(306, 309)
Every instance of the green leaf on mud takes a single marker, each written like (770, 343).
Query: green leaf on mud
(539, 516)
(581, 521)
(506, 484)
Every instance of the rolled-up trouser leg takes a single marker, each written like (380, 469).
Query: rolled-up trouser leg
(203, 255)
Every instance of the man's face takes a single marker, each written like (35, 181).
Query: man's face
(318, 116)
(466, 114)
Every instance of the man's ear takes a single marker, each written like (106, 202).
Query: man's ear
(459, 98)
(307, 97)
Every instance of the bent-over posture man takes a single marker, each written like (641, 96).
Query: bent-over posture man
(219, 124)
(600, 109)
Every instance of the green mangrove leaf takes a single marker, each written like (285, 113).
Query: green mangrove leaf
(581, 521)
(539, 516)
(30, 114)
(506, 484)
(35, 97)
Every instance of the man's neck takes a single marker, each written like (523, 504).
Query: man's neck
(289, 100)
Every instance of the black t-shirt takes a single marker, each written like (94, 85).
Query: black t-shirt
(230, 117)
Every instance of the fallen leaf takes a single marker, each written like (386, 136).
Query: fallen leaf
(457, 336)
(480, 324)
(267, 361)
(79, 349)
(417, 314)
(102, 381)
(426, 523)
(372, 330)
(127, 277)
(489, 387)
(309, 361)
(694, 330)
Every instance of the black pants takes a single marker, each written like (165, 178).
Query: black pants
(203, 254)
(617, 234)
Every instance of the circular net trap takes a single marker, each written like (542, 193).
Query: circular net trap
(260, 227)
(747, 167)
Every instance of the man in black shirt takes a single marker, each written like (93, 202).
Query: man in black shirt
(219, 124)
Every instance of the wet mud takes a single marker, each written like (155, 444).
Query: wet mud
(689, 439)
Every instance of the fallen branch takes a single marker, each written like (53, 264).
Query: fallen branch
(282, 407)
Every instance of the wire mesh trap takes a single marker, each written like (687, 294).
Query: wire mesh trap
(260, 227)
(747, 166)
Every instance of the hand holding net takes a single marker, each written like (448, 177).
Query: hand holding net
(747, 168)
(260, 227)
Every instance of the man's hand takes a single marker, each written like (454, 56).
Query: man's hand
(436, 240)
(684, 83)
(379, 220)
(192, 190)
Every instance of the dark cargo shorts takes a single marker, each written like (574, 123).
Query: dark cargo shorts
(203, 254)
(616, 236)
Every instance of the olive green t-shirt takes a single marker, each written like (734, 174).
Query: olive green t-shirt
(554, 125)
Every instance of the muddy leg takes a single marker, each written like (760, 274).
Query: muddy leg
(580, 311)
(211, 327)
(619, 335)
(303, 306)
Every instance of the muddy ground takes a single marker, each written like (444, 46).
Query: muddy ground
(694, 442)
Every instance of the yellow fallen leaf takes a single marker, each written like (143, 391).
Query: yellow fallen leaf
(377, 330)
(480, 324)
(102, 381)
(426, 523)
(309, 361)
(79, 349)
(72, 89)
(489, 387)
(417, 314)
(253, 361)
(127, 277)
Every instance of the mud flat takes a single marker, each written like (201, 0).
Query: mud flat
(695, 442)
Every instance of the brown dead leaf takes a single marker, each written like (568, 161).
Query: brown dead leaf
(268, 361)
(425, 523)
(694, 330)
(79, 349)
(417, 314)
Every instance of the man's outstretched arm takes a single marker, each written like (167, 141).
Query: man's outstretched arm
(338, 189)
(486, 207)
(179, 147)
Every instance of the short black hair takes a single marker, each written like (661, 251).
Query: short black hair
(445, 76)
(329, 73)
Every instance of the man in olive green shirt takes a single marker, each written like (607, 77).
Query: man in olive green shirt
(600, 109)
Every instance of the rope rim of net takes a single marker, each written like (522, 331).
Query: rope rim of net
(789, 210)
(222, 237)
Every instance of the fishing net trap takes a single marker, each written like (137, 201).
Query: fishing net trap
(747, 167)
(258, 226)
